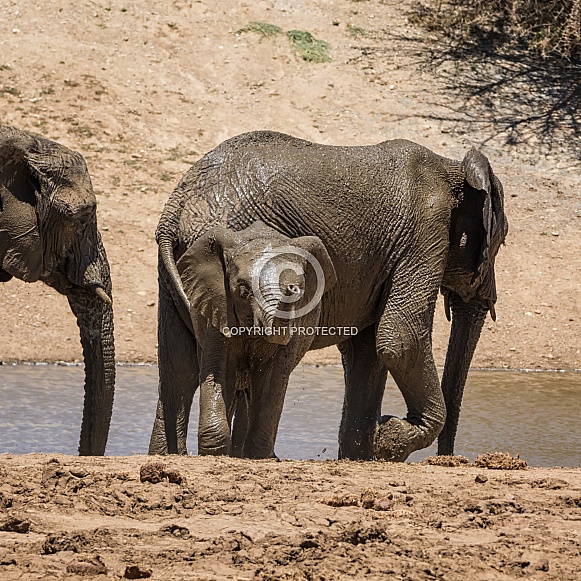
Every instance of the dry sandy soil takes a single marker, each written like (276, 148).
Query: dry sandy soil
(144, 89)
(224, 518)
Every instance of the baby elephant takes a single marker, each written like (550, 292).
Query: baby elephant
(254, 305)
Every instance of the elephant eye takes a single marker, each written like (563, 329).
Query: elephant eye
(244, 292)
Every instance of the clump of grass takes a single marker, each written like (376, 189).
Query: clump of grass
(82, 130)
(308, 47)
(303, 42)
(355, 31)
(15, 91)
(265, 29)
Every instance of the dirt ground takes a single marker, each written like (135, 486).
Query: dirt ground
(143, 91)
(225, 518)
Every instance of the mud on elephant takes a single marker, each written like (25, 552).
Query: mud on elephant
(399, 223)
(48, 232)
(251, 296)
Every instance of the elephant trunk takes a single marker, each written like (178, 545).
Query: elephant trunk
(277, 328)
(467, 322)
(94, 313)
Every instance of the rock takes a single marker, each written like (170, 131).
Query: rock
(63, 541)
(156, 472)
(87, 566)
(79, 472)
(153, 472)
(368, 498)
(15, 525)
(383, 504)
(136, 572)
(5, 500)
(174, 476)
(7, 558)
(176, 531)
(542, 565)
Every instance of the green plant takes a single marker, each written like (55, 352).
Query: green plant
(265, 29)
(308, 47)
(302, 41)
(82, 130)
(355, 31)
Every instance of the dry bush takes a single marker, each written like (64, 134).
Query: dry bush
(516, 66)
(548, 28)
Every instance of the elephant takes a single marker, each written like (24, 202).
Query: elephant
(48, 232)
(400, 224)
(250, 294)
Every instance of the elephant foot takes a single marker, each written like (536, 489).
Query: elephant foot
(354, 446)
(223, 450)
(216, 445)
(394, 439)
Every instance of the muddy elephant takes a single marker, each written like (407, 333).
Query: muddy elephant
(253, 296)
(48, 232)
(399, 223)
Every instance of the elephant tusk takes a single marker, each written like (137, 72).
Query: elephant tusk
(491, 309)
(103, 295)
(447, 306)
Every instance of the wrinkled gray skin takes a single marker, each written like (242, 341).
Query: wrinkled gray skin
(48, 232)
(243, 376)
(399, 223)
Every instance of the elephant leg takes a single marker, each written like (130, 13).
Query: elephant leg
(240, 425)
(178, 379)
(404, 344)
(365, 377)
(217, 391)
(266, 403)
(418, 382)
(267, 392)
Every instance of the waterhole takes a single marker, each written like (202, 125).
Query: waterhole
(535, 415)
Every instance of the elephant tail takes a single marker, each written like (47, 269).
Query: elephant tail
(166, 253)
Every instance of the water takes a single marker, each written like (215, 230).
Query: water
(535, 415)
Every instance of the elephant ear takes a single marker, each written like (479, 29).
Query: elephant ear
(479, 176)
(203, 271)
(20, 235)
(315, 246)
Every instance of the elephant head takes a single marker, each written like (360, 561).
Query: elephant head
(48, 232)
(255, 278)
(478, 229)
